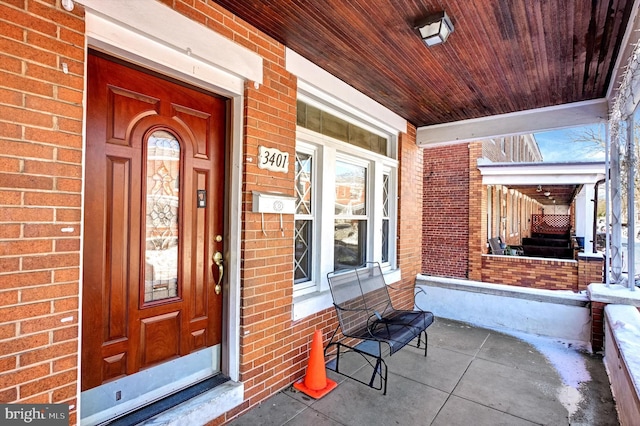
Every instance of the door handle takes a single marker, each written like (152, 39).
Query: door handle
(217, 259)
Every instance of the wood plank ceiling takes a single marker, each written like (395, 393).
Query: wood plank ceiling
(561, 195)
(504, 56)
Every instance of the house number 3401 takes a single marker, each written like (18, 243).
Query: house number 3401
(273, 159)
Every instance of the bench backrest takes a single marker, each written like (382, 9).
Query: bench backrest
(359, 295)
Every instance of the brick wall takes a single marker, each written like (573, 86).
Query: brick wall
(530, 272)
(477, 210)
(446, 214)
(40, 201)
(590, 270)
(410, 215)
(40, 209)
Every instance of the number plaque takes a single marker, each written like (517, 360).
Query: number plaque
(273, 159)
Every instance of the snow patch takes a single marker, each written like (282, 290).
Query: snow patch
(565, 357)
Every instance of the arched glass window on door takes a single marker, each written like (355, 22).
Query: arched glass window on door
(162, 206)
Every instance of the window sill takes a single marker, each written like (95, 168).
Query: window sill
(309, 304)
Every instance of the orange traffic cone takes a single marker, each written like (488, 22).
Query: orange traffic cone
(315, 383)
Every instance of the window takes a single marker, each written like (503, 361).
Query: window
(350, 226)
(304, 218)
(385, 218)
(345, 201)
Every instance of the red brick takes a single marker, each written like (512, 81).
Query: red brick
(8, 363)
(68, 215)
(22, 375)
(11, 165)
(22, 116)
(34, 22)
(8, 298)
(25, 84)
(8, 395)
(55, 137)
(66, 363)
(52, 199)
(47, 353)
(48, 323)
(65, 305)
(64, 394)
(70, 95)
(10, 130)
(62, 275)
(19, 247)
(64, 50)
(61, 17)
(64, 334)
(58, 108)
(56, 291)
(9, 265)
(15, 313)
(26, 150)
(11, 197)
(7, 331)
(47, 383)
(30, 53)
(24, 279)
(21, 344)
(50, 261)
(67, 244)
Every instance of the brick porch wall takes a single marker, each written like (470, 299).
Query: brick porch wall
(530, 272)
(590, 270)
(40, 195)
(446, 212)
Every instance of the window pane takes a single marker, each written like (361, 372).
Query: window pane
(350, 190)
(303, 241)
(350, 242)
(161, 249)
(303, 183)
(385, 218)
(385, 240)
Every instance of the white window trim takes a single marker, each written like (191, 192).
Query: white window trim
(327, 151)
(316, 153)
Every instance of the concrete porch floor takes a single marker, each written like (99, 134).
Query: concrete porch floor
(472, 376)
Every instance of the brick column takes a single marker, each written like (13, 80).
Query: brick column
(597, 326)
(477, 214)
(590, 270)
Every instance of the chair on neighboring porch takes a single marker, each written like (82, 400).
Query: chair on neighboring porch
(496, 246)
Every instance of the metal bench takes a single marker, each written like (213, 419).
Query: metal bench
(367, 320)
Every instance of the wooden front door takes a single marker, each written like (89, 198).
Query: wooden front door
(154, 197)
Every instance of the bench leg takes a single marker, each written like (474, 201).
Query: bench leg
(426, 336)
(381, 369)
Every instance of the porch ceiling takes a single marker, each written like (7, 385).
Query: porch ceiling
(504, 57)
(561, 180)
(562, 194)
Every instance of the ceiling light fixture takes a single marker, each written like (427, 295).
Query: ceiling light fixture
(546, 194)
(435, 28)
(539, 189)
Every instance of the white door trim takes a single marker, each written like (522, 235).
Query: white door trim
(112, 27)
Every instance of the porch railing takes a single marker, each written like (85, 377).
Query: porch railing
(559, 224)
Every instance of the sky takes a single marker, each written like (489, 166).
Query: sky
(563, 145)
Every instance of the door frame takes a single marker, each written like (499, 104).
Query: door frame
(107, 31)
